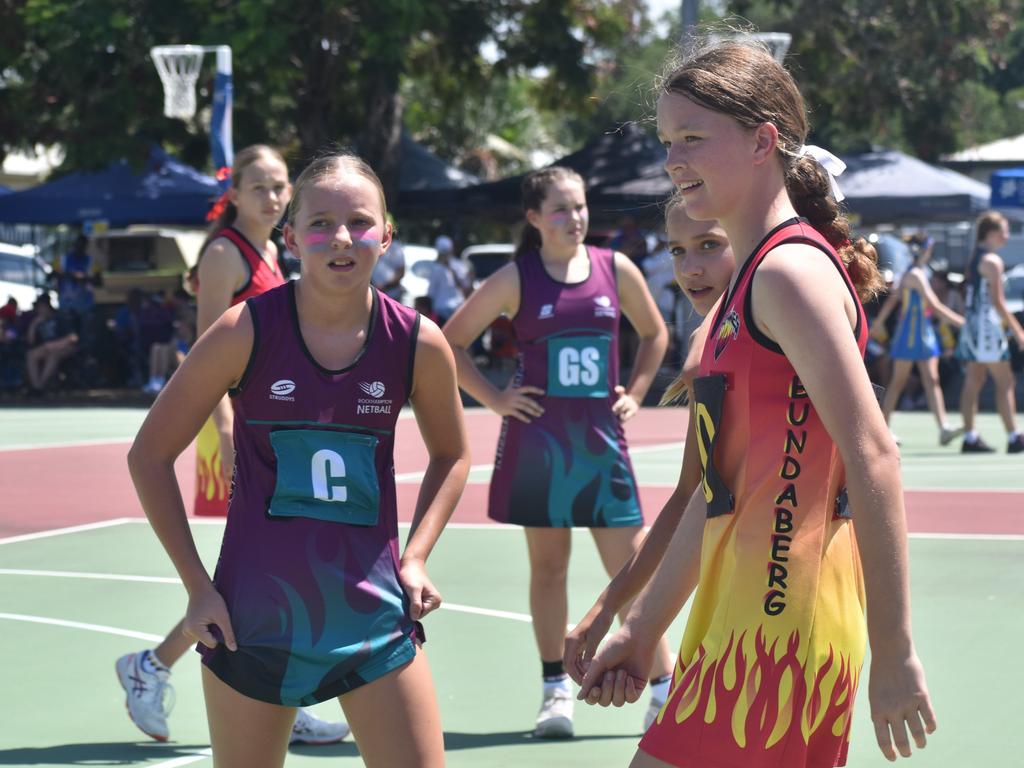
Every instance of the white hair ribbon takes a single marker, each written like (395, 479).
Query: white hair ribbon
(833, 166)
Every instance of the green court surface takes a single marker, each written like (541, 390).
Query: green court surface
(71, 602)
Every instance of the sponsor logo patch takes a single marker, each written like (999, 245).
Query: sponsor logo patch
(281, 389)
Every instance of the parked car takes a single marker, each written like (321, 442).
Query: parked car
(419, 261)
(487, 259)
(1014, 289)
(23, 275)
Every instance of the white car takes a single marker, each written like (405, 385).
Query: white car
(487, 259)
(419, 262)
(23, 274)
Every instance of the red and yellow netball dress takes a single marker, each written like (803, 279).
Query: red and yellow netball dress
(769, 664)
(211, 488)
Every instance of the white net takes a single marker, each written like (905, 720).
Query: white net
(777, 43)
(178, 66)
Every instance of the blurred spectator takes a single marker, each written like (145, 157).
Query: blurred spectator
(51, 340)
(156, 331)
(451, 280)
(184, 334)
(12, 346)
(390, 269)
(74, 277)
(425, 306)
(9, 311)
(630, 240)
(126, 331)
(661, 282)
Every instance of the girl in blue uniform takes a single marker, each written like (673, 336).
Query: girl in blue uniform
(915, 341)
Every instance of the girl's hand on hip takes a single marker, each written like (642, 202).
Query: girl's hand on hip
(625, 407)
(207, 618)
(517, 403)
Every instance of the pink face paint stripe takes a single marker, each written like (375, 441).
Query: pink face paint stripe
(316, 238)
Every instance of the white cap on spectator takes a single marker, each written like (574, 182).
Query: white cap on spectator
(444, 244)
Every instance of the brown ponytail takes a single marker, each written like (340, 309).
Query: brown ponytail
(810, 192)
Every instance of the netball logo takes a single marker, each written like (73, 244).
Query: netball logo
(280, 390)
(373, 403)
(603, 307)
(730, 330)
(373, 389)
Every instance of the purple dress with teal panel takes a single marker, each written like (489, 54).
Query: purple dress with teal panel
(569, 467)
(309, 563)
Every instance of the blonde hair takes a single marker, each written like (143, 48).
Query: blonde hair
(327, 165)
(677, 391)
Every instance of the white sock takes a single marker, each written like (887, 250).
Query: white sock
(660, 689)
(971, 436)
(562, 683)
(1014, 435)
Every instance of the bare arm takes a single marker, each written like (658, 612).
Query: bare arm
(810, 331)
(932, 301)
(991, 268)
(438, 409)
(499, 294)
(581, 643)
(221, 273)
(217, 360)
(638, 305)
(891, 300)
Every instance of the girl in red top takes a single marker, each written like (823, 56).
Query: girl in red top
(788, 427)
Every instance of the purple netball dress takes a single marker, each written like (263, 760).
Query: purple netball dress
(569, 467)
(309, 563)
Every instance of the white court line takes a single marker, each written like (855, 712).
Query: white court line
(74, 444)
(80, 625)
(486, 612)
(195, 757)
(62, 531)
(83, 575)
(168, 580)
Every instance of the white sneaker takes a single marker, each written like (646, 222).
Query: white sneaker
(652, 713)
(310, 729)
(554, 721)
(948, 435)
(150, 698)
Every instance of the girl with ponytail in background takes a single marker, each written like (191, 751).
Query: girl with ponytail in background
(562, 460)
(791, 439)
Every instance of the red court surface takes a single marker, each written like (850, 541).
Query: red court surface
(51, 488)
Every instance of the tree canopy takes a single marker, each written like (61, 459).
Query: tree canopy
(485, 82)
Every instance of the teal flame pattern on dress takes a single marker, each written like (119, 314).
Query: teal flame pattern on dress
(585, 469)
(352, 630)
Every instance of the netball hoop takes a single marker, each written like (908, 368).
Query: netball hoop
(178, 67)
(776, 43)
